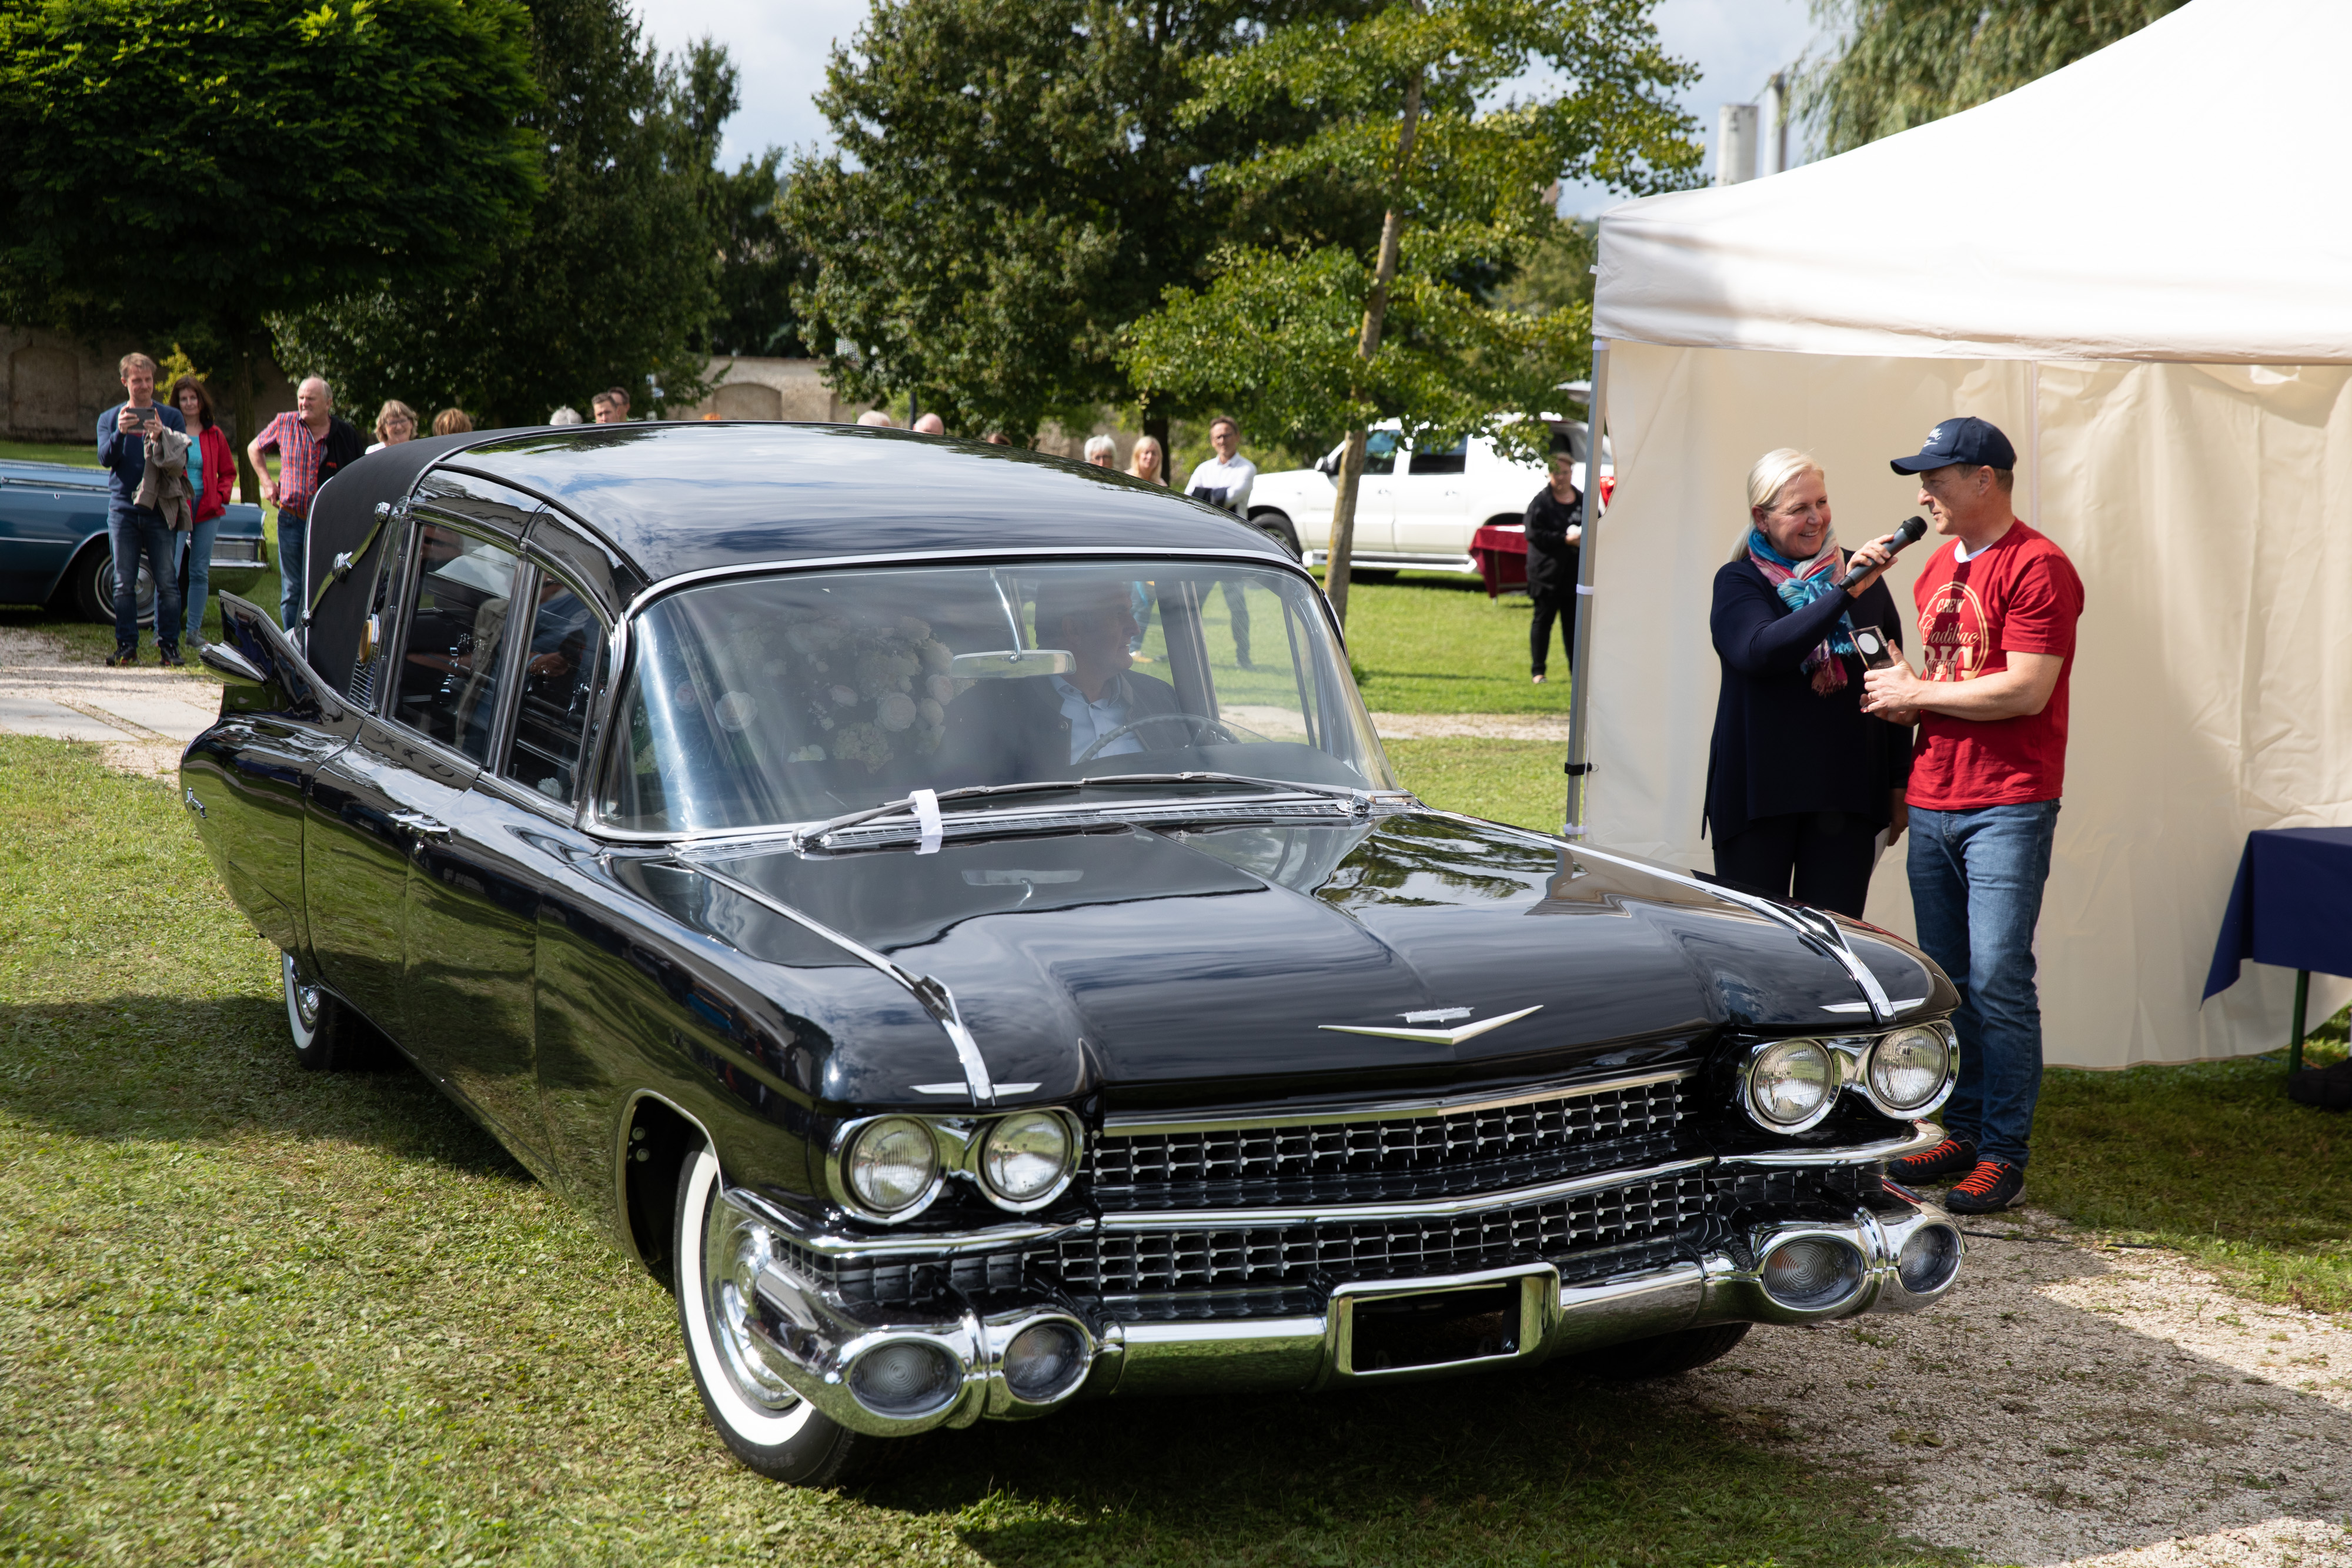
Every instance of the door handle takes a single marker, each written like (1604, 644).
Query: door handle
(423, 826)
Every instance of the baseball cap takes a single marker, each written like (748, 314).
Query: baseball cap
(1978, 443)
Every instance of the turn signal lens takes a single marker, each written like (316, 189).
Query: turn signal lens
(904, 1378)
(1027, 1155)
(1812, 1272)
(1907, 1067)
(892, 1164)
(1044, 1360)
(1790, 1081)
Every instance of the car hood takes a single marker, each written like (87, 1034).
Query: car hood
(1240, 963)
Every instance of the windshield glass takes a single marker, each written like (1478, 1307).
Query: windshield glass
(801, 696)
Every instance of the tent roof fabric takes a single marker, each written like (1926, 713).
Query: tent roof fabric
(2167, 198)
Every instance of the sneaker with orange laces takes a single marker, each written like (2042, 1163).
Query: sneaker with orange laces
(1948, 1158)
(1994, 1186)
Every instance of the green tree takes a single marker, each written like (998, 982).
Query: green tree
(1406, 102)
(180, 169)
(1902, 63)
(760, 262)
(612, 283)
(1014, 185)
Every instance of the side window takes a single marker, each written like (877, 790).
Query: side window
(1379, 452)
(451, 664)
(1429, 459)
(563, 667)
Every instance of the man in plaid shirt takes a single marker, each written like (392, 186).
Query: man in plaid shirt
(312, 445)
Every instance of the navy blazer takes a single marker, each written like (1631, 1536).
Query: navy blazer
(1780, 747)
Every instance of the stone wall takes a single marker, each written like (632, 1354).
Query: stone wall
(54, 387)
(795, 390)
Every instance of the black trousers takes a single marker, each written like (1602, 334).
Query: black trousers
(1550, 603)
(1820, 858)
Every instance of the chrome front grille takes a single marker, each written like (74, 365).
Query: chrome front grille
(1275, 1256)
(1359, 1157)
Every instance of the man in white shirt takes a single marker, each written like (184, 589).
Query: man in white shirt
(1224, 481)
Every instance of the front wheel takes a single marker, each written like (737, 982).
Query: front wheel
(1277, 527)
(762, 1422)
(328, 1036)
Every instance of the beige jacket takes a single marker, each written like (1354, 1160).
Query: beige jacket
(164, 486)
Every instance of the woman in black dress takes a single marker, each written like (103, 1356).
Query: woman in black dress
(1800, 782)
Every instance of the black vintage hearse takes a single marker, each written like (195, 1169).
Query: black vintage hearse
(868, 874)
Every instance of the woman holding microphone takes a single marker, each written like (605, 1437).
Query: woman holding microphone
(1800, 781)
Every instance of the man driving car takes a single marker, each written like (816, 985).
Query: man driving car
(1035, 726)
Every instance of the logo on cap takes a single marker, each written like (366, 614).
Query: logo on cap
(1934, 435)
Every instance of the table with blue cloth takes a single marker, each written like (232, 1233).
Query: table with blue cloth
(2292, 906)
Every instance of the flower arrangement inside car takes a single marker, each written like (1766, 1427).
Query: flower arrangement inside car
(1002, 969)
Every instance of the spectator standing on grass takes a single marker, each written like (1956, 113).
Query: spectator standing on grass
(1799, 784)
(930, 425)
(212, 476)
(1224, 480)
(396, 422)
(313, 444)
(877, 418)
(611, 406)
(452, 422)
(1998, 607)
(567, 414)
(1555, 529)
(133, 531)
(1149, 461)
(1102, 452)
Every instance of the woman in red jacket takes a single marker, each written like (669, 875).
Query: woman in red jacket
(212, 473)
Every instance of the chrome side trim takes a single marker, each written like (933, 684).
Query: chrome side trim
(1426, 1209)
(1924, 1136)
(935, 998)
(1138, 1124)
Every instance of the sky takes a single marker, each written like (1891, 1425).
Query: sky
(783, 50)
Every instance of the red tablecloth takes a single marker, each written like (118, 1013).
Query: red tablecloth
(1501, 548)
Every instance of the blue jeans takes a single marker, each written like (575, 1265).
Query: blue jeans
(196, 575)
(1976, 890)
(293, 535)
(130, 534)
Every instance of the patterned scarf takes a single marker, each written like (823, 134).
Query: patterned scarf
(1798, 583)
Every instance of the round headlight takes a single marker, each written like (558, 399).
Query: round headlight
(1790, 1081)
(1907, 1067)
(1025, 1155)
(892, 1164)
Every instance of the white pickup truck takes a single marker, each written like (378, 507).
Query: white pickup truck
(1416, 506)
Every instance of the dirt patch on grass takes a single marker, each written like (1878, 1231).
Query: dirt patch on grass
(2072, 1403)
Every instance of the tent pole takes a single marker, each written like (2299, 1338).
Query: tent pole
(1579, 767)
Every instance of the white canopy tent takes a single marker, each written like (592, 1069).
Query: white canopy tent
(2137, 266)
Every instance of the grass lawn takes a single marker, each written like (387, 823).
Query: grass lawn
(257, 1315)
(80, 454)
(1429, 643)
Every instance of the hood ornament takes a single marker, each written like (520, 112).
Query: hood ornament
(1455, 1036)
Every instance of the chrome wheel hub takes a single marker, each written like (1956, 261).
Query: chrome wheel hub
(733, 1252)
(302, 996)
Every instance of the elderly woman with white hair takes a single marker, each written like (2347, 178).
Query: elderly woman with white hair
(1102, 451)
(1800, 782)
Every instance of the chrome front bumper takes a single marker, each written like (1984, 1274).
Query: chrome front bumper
(1876, 1261)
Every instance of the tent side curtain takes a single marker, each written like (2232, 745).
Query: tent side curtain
(2209, 509)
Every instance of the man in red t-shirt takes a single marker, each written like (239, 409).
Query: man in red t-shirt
(1996, 612)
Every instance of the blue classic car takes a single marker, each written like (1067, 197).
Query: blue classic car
(53, 548)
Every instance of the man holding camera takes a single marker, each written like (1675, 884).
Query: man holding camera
(1996, 612)
(133, 530)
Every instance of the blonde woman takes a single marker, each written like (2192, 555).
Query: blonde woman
(1149, 461)
(1800, 781)
(396, 422)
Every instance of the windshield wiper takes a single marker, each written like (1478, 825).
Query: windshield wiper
(982, 792)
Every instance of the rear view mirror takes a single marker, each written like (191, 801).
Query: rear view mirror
(1012, 663)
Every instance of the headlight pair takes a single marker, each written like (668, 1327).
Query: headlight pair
(1791, 1084)
(892, 1167)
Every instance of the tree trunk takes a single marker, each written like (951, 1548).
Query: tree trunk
(1367, 346)
(1343, 525)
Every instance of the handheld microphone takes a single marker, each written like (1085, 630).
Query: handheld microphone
(1908, 534)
